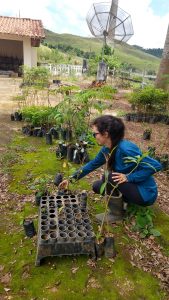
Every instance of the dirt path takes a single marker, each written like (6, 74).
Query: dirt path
(9, 87)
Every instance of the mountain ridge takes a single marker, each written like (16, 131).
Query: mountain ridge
(133, 55)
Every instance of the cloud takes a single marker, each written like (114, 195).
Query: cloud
(149, 29)
(70, 17)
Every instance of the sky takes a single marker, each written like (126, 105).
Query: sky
(150, 18)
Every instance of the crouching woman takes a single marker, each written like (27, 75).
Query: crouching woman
(129, 171)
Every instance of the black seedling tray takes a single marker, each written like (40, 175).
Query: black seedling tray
(64, 228)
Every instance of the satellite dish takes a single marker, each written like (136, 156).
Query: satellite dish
(108, 22)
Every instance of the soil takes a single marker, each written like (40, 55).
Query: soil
(8, 89)
(7, 129)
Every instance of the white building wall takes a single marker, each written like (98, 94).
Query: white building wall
(33, 56)
(27, 53)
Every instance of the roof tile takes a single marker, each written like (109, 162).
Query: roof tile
(22, 26)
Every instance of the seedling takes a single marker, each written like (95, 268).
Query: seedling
(143, 222)
(41, 185)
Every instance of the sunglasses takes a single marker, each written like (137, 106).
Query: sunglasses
(95, 133)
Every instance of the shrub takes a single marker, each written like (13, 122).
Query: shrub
(39, 115)
(37, 76)
(149, 99)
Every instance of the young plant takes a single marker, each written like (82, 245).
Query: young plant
(39, 115)
(137, 160)
(149, 99)
(35, 76)
(107, 197)
(41, 185)
(143, 220)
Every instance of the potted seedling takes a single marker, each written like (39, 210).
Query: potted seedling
(67, 166)
(113, 212)
(12, 117)
(41, 187)
(99, 245)
(58, 179)
(48, 138)
(29, 227)
(109, 247)
(127, 117)
(27, 224)
(147, 134)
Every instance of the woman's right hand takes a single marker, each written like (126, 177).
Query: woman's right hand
(63, 185)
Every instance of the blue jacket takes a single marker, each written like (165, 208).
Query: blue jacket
(141, 176)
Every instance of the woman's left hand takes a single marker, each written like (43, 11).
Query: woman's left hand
(119, 177)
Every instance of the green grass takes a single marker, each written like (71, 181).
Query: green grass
(161, 222)
(54, 279)
(139, 59)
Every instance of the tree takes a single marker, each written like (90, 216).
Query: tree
(111, 61)
(106, 50)
(162, 80)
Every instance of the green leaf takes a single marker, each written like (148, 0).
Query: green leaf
(145, 154)
(129, 161)
(129, 157)
(21, 222)
(145, 231)
(73, 170)
(149, 218)
(154, 232)
(106, 173)
(143, 235)
(98, 236)
(141, 221)
(102, 188)
(138, 156)
(149, 165)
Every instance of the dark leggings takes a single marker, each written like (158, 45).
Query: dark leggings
(129, 190)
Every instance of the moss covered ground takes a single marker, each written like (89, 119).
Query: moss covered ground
(63, 278)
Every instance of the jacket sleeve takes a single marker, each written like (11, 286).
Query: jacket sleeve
(92, 165)
(146, 168)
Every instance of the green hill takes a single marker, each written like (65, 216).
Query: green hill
(126, 53)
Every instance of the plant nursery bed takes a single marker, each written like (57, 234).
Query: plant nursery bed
(64, 228)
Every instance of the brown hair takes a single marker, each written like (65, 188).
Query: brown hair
(115, 128)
